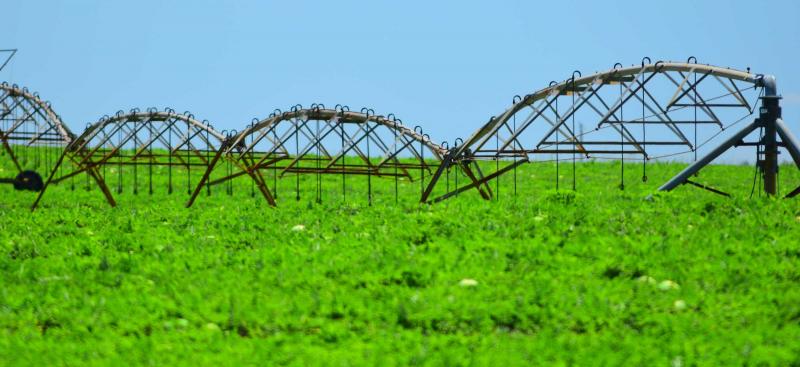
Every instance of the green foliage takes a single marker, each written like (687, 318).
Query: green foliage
(594, 277)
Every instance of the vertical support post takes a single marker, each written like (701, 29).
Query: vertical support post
(770, 156)
(770, 112)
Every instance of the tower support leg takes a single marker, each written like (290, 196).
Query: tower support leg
(770, 112)
(684, 175)
(789, 141)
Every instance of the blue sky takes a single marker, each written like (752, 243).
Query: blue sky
(447, 66)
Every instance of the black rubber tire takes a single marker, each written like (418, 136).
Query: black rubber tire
(28, 180)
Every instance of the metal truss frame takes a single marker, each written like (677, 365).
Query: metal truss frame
(150, 138)
(266, 145)
(688, 79)
(28, 121)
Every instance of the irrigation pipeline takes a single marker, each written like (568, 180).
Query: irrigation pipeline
(360, 147)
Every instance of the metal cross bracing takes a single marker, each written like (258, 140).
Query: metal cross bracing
(124, 150)
(32, 135)
(636, 114)
(9, 54)
(320, 141)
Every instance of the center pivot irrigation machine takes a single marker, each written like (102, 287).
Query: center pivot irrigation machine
(635, 114)
(686, 106)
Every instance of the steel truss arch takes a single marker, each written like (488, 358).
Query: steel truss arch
(320, 140)
(661, 98)
(127, 141)
(30, 132)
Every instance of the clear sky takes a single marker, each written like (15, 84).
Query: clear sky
(447, 66)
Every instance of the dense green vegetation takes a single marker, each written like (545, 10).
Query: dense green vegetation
(594, 277)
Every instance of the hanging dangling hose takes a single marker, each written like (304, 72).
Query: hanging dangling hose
(644, 124)
(514, 101)
(133, 156)
(574, 139)
(397, 159)
(316, 110)
(208, 151)
(369, 171)
(558, 138)
(644, 142)
(446, 146)
(278, 116)
(234, 133)
(621, 129)
(367, 130)
(21, 147)
(694, 102)
(756, 176)
(295, 122)
(418, 130)
(275, 170)
(497, 165)
(456, 143)
(118, 155)
(344, 162)
(73, 182)
(250, 153)
(424, 165)
(227, 136)
(150, 158)
(38, 154)
(169, 156)
(188, 162)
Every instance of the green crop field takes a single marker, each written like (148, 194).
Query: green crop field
(544, 277)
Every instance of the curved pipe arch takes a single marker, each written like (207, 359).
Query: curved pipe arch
(605, 78)
(143, 138)
(342, 115)
(136, 115)
(338, 143)
(665, 96)
(40, 107)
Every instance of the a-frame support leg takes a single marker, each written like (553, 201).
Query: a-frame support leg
(92, 172)
(49, 179)
(206, 175)
(475, 181)
(102, 184)
(684, 175)
(436, 175)
(792, 145)
(252, 170)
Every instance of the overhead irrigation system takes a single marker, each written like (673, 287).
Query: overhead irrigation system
(137, 142)
(635, 114)
(32, 135)
(319, 141)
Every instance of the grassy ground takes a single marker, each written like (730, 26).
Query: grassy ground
(597, 277)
